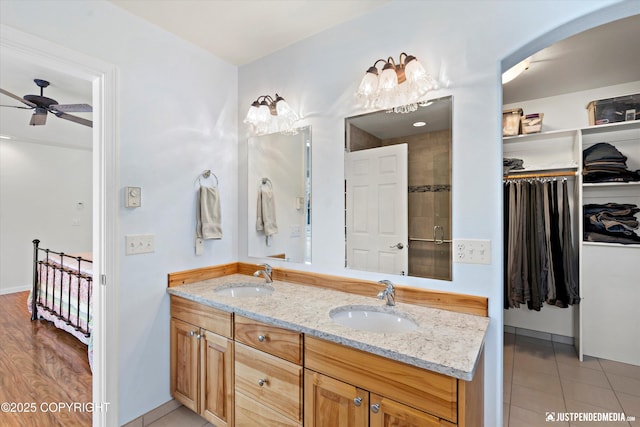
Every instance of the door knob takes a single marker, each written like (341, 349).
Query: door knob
(398, 245)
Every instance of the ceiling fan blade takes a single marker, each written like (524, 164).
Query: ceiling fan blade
(39, 117)
(75, 119)
(17, 106)
(16, 97)
(73, 108)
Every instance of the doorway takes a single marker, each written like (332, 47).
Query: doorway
(545, 339)
(103, 78)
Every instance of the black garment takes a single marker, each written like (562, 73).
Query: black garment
(540, 264)
(611, 223)
(603, 162)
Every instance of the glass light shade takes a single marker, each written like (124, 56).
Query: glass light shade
(414, 71)
(264, 114)
(252, 115)
(368, 84)
(388, 79)
(283, 108)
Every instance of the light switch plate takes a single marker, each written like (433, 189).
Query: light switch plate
(132, 197)
(139, 243)
(472, 251)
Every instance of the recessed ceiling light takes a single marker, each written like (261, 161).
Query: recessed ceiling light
(419, 124)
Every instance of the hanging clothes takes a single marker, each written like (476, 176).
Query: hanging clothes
(540, 261)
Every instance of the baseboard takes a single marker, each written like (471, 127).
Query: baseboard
(13, 290)
(154, 414)
(540, 335)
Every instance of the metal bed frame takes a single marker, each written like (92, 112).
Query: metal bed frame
(43, 266)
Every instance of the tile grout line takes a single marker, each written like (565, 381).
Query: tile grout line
(615, 392)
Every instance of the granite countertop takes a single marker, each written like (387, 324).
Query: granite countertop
(446, 342)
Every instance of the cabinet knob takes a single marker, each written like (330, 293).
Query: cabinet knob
(192, 333)
(262, 338)
(357, 401)
(262, 382)
(375, 408)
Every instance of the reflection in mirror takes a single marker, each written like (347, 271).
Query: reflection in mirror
(279, 192)
(398, 191)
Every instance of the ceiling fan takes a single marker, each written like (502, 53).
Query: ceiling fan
(43, 105)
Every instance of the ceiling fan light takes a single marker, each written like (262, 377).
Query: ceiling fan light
(39, 117)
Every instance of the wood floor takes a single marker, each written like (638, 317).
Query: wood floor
(40, 366)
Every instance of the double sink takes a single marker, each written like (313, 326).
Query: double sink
(371, 318)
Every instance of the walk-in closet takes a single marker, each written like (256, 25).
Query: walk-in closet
(571, 192)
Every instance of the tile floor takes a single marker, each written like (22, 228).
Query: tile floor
(540, 376)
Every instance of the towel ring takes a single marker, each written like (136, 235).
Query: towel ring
(207, 174)
(267, 181)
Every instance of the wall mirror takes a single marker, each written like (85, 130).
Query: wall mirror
(398, 191)
(279, 192)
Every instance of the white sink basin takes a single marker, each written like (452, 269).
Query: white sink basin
(243, 290)
(371, 318)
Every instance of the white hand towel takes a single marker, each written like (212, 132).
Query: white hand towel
(208, 217)
(266, 211)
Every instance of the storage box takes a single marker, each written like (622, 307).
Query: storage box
(532, 123)
(511, 122)
(613, 110)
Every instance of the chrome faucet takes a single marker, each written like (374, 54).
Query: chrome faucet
(389, 292)
(266, 273)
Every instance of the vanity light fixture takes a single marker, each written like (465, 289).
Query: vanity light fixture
(398, 87)
(419, 124)
(269, 115)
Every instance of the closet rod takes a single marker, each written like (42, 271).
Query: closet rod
(539, 175)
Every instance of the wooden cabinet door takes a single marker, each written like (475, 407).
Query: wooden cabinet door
(332, 403)
(389, 413)
(184, 363)
(216, 380)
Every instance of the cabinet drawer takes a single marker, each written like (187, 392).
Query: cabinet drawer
(282, 386)
(209, 318)
(422, 389)
(250, 413)
(271, 339)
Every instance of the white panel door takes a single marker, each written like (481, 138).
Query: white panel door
(376, 209)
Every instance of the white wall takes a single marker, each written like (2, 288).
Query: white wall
(464, 41)
(177, 108)
(40, 188)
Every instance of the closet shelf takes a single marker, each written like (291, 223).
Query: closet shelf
(611, 245)
(611, 184)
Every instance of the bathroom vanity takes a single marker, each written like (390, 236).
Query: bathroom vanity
(280, 359)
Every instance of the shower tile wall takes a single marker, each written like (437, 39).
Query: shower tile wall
(429, 201)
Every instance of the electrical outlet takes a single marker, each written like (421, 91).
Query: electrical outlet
(472, 251)
(139, 243)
